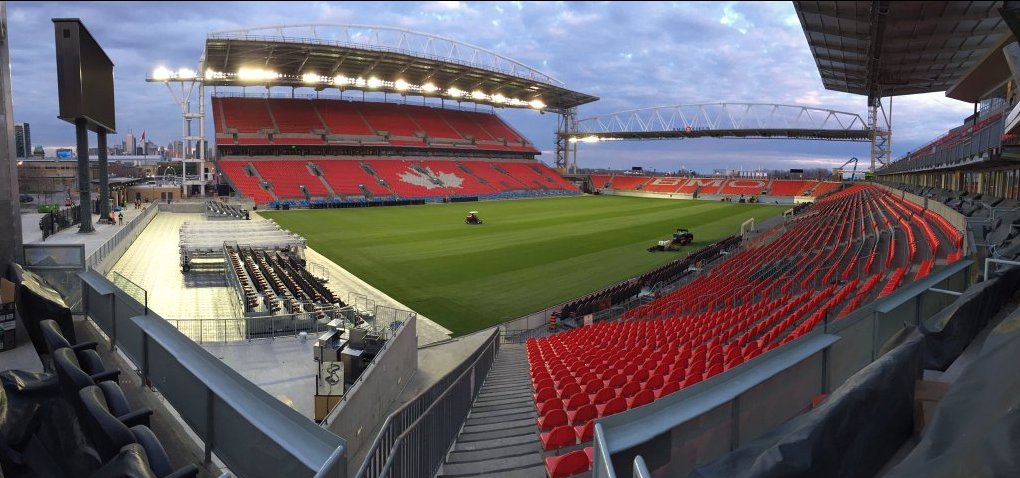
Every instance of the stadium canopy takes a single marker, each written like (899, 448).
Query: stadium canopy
(373, 58)
(886, 48)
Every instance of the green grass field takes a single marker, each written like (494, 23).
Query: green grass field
(529, 254)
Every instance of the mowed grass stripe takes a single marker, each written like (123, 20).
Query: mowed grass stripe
(529, 254)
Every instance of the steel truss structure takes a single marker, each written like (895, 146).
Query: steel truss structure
(724, 120)
(182, 90)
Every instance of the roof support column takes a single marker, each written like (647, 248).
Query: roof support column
(566, 152)
(880, 124)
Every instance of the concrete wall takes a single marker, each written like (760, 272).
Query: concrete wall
(189, 207)
(10, 209)
(366, 404)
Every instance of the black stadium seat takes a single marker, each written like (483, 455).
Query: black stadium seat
(73, 378)
(110, 435)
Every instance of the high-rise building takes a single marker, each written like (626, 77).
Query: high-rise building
(22, 140)
(130, 144)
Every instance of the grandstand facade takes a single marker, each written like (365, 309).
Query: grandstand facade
(713, 188)
(335, 152)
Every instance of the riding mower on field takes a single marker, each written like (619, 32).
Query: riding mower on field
(681, 237)
(472, 218)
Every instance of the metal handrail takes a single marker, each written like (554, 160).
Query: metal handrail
(601, 455)
(446, 383)
(640, 468)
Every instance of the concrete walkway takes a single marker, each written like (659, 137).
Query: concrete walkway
(31, 234)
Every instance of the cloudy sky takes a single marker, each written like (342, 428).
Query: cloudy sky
(631, 55)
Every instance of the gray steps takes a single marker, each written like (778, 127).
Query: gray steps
(500, 437)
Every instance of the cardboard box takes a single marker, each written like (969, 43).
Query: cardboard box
(7, 323)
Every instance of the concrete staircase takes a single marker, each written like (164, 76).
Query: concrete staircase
(500, 437)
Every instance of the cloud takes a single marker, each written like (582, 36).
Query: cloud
(632, 55)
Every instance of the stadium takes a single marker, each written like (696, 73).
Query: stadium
(377, 274)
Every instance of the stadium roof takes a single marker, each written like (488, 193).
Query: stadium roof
(369, 58)
(886, 48)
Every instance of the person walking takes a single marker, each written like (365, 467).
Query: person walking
(120, 217)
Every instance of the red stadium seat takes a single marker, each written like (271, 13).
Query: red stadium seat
(585, 432)
(553, 418)
(630, 389)
(603, 396)
(559, 437)
(576, 400)
(544, 394)
(582, 414)
(643, 397)
(611, 407)
(567, 465)
(668, 389)
(549, 405)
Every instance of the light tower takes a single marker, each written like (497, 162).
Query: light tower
(182, 85)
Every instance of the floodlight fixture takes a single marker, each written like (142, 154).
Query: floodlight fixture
(161, 74)
(256, 74)
(537, 104)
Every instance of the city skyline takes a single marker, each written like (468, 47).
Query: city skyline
(632, 55)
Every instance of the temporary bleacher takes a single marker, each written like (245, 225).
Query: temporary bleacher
(220, 210)
(274, 281)
(204, 240)
(778, 288)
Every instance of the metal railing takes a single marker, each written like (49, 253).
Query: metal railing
(132, 289)
(239, 329)
(116, 246)
(54, 222)
(252, 432)
(416, 437)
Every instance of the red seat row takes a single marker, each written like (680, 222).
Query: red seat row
(819, 267)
